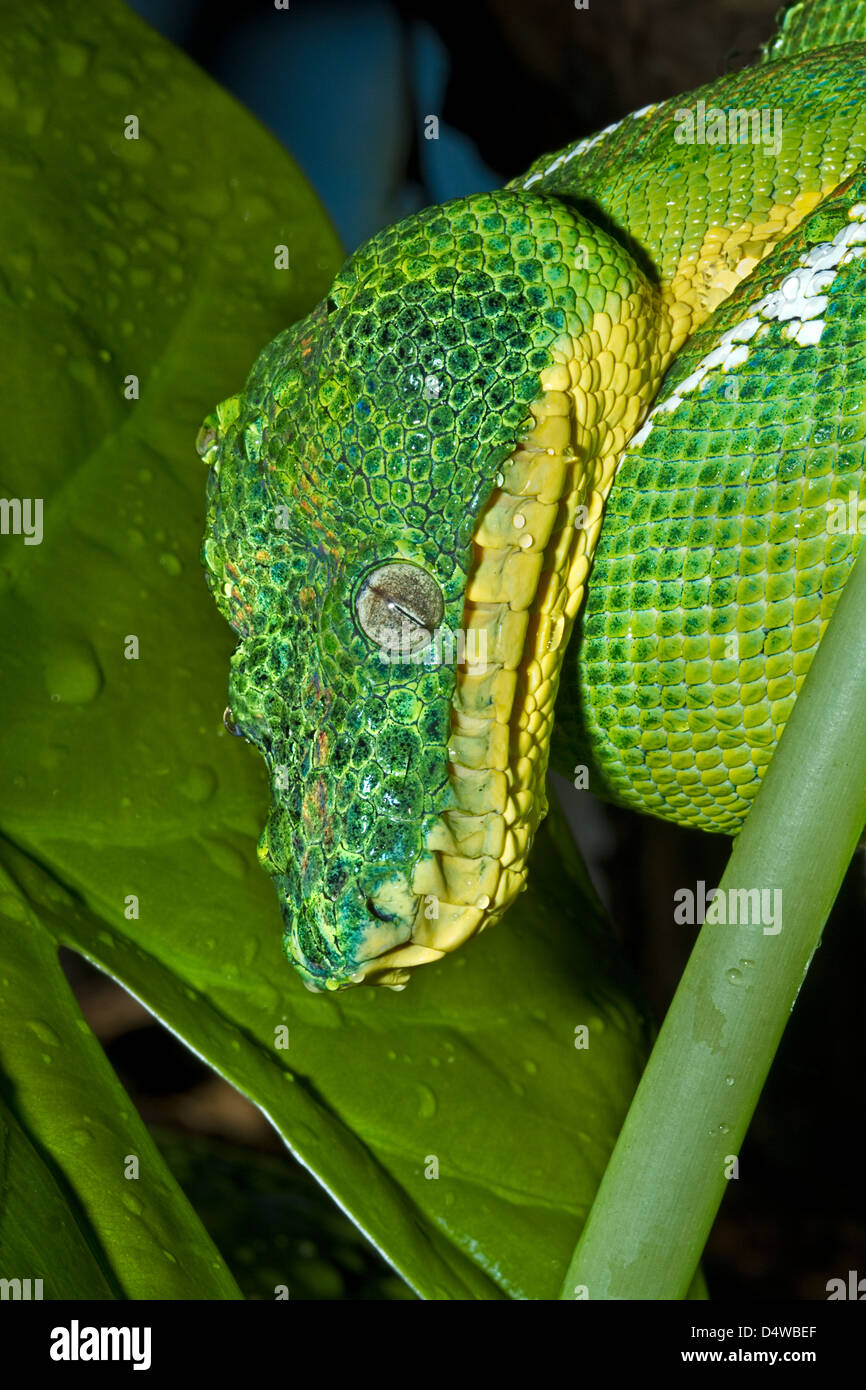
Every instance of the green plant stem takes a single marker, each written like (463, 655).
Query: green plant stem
(670, 1167)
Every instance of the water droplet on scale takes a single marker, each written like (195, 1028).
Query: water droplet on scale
(556, 633)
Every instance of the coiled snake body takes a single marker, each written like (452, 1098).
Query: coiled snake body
(590, 445)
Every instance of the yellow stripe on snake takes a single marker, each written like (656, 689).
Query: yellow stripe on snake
(564, 473)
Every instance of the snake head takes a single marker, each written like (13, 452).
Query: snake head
(390, 533)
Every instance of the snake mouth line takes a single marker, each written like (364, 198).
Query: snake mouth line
(474, 860)
(532, 549)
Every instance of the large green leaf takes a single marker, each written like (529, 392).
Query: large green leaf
(274, 1225)
(39, 1238)
(86, 1202)
(130, 818)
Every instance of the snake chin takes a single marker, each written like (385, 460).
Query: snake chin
(367, 937)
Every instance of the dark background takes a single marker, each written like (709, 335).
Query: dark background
(346, 87)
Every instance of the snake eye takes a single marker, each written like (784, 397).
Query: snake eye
(399, 604)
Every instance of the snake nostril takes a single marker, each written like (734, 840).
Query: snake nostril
(379, 912)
